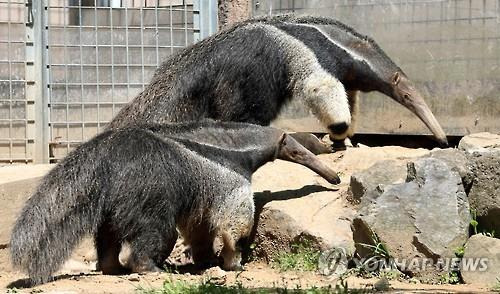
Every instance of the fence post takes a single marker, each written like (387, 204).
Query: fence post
(37, 108)
(206, 19)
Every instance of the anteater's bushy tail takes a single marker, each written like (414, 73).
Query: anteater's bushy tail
(65, 207)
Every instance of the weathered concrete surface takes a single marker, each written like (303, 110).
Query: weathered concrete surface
(481, 247)
(426, 216)
(484, 194)
(479, 142)
(17, 183)
(233, 11)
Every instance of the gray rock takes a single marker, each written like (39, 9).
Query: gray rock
(381, 173)
(486, 252)
(216, 275)
(479, 142)
(134, 277)
(321, 218)
(426, 216)
(457, 160)
(484, 194)
(293, 203)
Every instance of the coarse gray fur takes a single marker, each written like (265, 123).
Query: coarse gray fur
(250, 71)
(136, 185)
(246, 73)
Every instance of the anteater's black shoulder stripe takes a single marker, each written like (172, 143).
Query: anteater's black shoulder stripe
(314, 20)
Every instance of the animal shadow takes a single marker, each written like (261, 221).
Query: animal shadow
(27, 283)
(262, 198)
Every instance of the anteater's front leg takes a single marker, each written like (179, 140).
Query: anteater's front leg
(238, 228)
(200, 237)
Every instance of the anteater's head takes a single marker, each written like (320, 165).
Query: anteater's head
(358, 62)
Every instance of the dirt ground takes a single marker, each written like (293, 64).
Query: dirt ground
(256, 275)
(78, 276)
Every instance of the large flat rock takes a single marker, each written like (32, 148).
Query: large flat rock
(479, 142)
(427, 216)
(292, 203)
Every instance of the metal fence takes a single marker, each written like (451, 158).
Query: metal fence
(67, 66)
(451, 48)
(14, 139)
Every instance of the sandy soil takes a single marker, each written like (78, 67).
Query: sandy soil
(78, 275)
(256, 275)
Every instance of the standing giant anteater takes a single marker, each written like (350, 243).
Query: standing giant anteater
(137, 184)
(248, 72)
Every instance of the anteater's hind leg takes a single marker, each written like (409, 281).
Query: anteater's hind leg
(151, 247)
(239, 228)
(201, 240)
(108, 246)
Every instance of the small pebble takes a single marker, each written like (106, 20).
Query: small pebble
(134, 278)
(382, 284)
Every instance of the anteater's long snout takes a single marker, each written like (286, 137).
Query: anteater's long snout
(425, 114)
(406, 93)
(291, 150)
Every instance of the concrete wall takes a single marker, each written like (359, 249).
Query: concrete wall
(449, 47)
(232, 11)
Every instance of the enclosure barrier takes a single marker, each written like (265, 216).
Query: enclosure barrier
(67, 66)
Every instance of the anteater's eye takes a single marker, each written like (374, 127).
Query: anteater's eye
(406, 96)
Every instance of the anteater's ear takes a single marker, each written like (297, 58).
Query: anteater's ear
(281, 144)
(395, 79)
(282, 139)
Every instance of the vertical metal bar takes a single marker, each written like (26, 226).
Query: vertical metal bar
(204, 18)
(36, 80)
(210, 20)
(97, 67)
(157, 34)
(9, 62)
(80, 18)
(197, 20)
(27, 149)
(112, 62)
(185, 25)
(171, 30)
(126, 51)
(66, 61)
(48, 77)
(141, 14)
